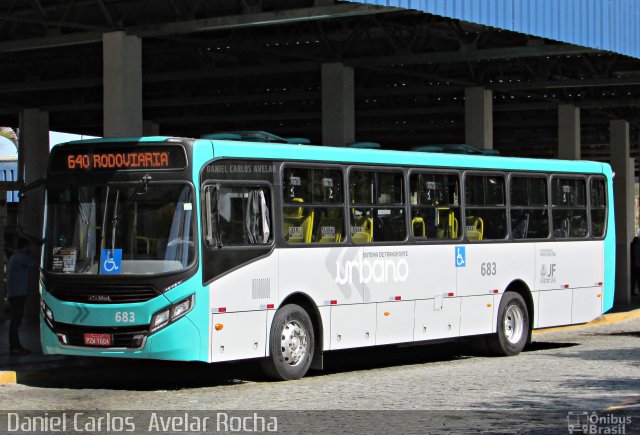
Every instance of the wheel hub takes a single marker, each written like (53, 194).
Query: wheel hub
(513, 325)
(293, 343)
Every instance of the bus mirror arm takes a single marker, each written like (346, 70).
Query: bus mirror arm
(22, 193)
(31, 186)
(38, 241)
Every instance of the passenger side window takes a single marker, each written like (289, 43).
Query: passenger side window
(485, 207)
(598, 207)
(237, 216)
(529, 208)
(435, 207)
(313, 209)
(569, 207)
(377, 212)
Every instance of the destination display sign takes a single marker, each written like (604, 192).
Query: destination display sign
(100, 158)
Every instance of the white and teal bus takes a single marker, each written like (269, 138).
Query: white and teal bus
(216, 250)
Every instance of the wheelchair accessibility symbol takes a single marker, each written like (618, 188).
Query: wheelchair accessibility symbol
(110, 261)
(461, 257)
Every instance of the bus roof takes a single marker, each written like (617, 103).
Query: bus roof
(235, 149)
(119, 140)
(316, 153)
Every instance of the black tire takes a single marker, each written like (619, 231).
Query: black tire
(512, 328)
(291, 325)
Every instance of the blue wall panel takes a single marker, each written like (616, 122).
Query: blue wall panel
(612, 25)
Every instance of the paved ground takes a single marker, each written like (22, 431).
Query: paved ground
(591, 368)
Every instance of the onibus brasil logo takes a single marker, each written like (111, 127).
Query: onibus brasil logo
(593, 423)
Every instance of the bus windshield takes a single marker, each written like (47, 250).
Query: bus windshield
(120, 228)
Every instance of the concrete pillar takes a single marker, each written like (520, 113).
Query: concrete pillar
(150, 128)
(623, 196)
(33, 152)
(338, 113)
(478, 117)
(568, 132)
(122, 84)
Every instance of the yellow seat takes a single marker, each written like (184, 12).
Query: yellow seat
(418, 222)
(362, 231)
(329, 231)
(447, 224)
(297, 227)
(474, 228)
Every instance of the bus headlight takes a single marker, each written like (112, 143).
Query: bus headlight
(170, 314)
(47, 313)
(160, 320)
(181, 308)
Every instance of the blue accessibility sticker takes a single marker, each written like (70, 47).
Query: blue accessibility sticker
(461, 257)
(110, 261)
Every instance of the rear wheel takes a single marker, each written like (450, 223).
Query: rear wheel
(291, 344)
(513, 326)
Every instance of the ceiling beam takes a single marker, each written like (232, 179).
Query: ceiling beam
(565, 84)
(203, 25)
(299, 95)
(471, 55)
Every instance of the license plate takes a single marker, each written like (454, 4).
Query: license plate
(97, 340)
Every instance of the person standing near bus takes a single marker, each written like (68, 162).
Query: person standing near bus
(18, 271)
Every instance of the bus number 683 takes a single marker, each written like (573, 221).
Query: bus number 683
(487, 269)
(125, 317)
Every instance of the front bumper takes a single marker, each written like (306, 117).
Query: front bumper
(180, 341)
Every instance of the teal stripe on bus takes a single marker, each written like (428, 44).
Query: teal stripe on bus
(365, 156)
(609, 253)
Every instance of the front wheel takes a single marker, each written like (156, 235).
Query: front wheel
(291, 344)
(513, 326)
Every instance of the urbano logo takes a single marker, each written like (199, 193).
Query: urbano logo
(372, 270)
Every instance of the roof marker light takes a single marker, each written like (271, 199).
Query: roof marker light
(222, 309)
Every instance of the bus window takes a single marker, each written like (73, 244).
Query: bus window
(598, 207)
(327, 186)
(377, 200)
(529, 208)
(237, 216)
(296, 185)
(486, 217)
(569, 207)
(435, 210)
(152, 227)
(389, 188)
(313, 209)
(361, 187)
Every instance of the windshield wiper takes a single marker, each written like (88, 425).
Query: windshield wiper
(142, 185)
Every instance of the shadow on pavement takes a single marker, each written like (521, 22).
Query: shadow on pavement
(622, 334)
(150, 375)
(547, 345)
